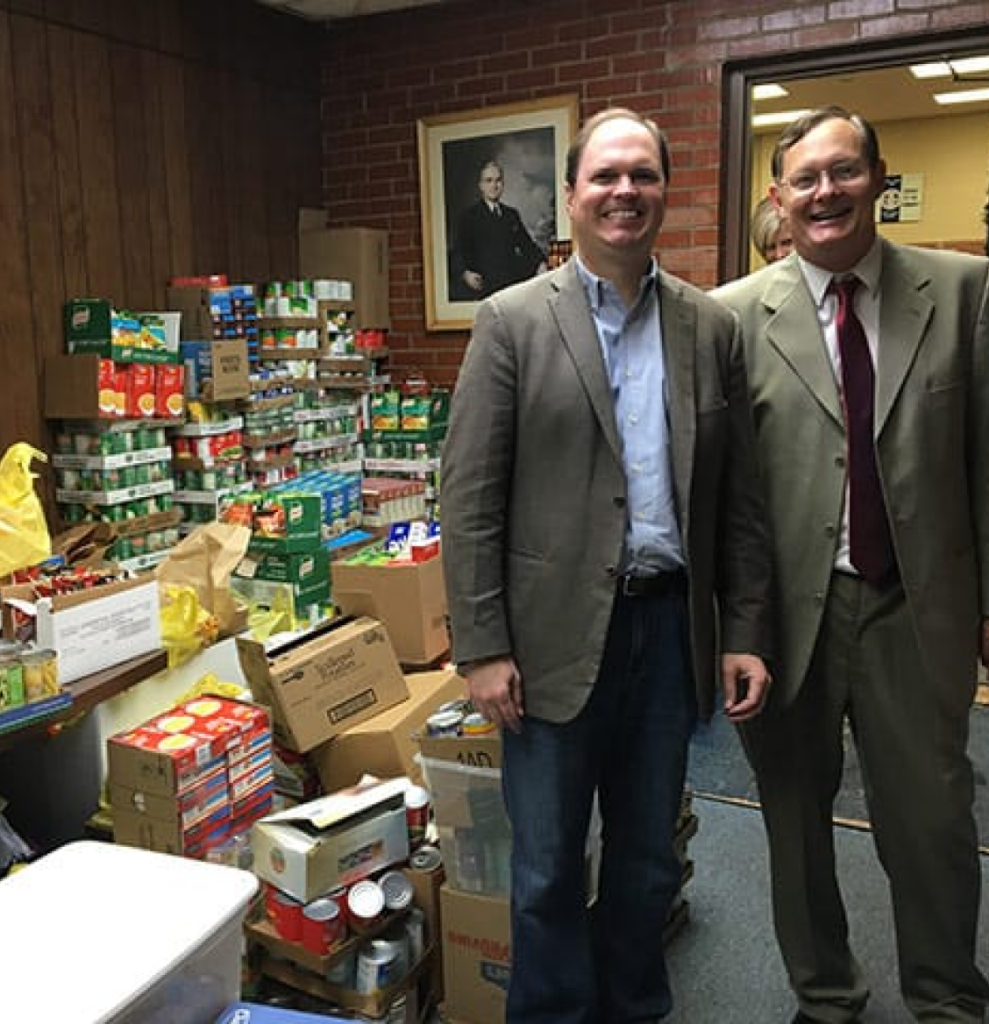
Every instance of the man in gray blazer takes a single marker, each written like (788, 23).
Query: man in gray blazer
(891, 650)
(599, 495)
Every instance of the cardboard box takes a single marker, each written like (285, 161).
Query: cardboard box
(335, 840)
(230, 370)
(324, 681)
(358, 255)
(385, 745)
(93, 629)
(477, 956)
(94, 326)
(72, 389)
(473, 751)
(409, 598)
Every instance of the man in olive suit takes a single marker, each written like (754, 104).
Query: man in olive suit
(868, 368)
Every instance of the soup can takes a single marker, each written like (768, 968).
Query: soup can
(322, 926)
(376, 966)
(397, 890)
(365, 904)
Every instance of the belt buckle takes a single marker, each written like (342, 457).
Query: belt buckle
(627, 588)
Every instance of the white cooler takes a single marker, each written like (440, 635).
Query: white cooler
(95, 933)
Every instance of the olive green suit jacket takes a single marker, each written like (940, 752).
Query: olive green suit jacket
(533, 490)
(932, 439)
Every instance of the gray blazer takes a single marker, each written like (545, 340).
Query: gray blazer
(932, 430)
(534, 493)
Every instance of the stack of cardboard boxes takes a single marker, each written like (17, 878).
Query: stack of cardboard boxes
(187, 780)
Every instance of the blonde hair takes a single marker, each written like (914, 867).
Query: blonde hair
(766, 223)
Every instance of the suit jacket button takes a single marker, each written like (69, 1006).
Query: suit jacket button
(619, 502)
(611, 570)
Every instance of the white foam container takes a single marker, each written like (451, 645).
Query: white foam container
(95, 933)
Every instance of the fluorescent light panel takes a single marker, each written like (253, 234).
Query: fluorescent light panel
(946, 69)
(782, 117)
(768, 91)
(963, 96)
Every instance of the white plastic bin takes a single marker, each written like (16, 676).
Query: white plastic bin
(95, 933)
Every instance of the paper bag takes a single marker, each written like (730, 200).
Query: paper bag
(205, 561)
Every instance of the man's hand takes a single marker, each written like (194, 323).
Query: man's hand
(495, 689)
(746, 681)
(473, 280)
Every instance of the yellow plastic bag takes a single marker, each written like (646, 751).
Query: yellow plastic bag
(24, 537)
(186, 627)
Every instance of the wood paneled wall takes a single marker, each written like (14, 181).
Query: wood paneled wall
(139, 140)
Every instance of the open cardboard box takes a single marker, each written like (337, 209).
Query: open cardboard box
(334, 840)
(93, 629)
(321, 682)
(408, 597)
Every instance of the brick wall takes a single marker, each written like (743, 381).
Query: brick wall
(381, 74)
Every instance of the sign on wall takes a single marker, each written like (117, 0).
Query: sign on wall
(901, 200)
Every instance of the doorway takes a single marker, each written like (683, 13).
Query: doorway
(873, 80)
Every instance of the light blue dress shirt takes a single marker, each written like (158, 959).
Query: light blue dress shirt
(632, 347)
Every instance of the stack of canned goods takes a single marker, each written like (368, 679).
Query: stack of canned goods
(458, 718)
(26, 675)
(387, 931)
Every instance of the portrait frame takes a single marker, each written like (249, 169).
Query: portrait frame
(530, 141)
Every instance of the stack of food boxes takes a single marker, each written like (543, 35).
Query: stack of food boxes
(286, 566)
(188, 780)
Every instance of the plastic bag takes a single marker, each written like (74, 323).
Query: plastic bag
(24, 537)
(186, 627)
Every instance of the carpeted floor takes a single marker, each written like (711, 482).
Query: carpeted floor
(724, 964)
(718, 768)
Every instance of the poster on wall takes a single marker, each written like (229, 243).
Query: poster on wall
(901, 200)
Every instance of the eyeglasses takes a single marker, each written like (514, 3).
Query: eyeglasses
(846, 172)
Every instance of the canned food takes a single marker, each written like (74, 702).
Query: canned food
(397, 890)
(365, 904)
(40, 675)
(444, 723)
(286, 915)
(475, 724)
(416, 814)
(426, 858)
(376, 967)
(322, 925)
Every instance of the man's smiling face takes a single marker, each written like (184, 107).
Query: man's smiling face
(827, 192)
(618, 198)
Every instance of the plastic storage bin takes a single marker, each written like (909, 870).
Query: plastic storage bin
(95, 933)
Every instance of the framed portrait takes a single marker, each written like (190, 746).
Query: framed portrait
(492, 200)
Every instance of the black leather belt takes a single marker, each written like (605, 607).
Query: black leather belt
(660, 585)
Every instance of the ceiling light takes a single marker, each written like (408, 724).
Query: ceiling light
(950, 69)
(939, 69)
(965, 96)
(782, 117)
(768, 91)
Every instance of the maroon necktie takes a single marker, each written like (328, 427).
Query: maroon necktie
(871, 548)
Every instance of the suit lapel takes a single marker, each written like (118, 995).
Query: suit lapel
(790, 309)
(579, 336)
(903, 318)
(679, 323)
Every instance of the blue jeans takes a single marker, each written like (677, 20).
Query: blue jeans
(572, 965)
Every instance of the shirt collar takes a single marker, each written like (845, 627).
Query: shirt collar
(596, 286)
(868, 269)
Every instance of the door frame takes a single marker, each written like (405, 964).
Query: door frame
(738, 77)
